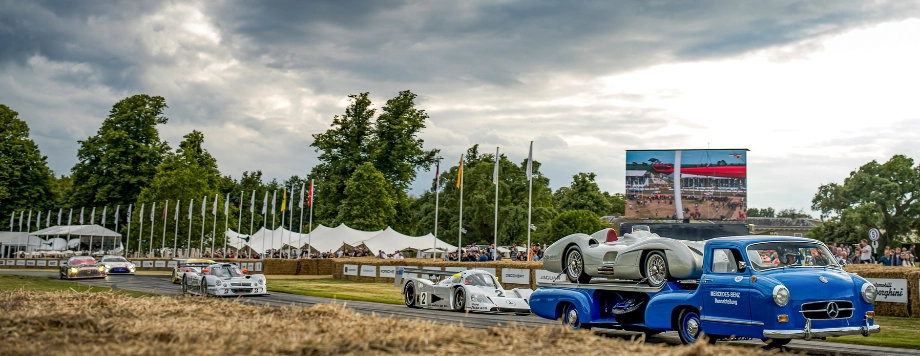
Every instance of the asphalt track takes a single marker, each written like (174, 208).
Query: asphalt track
(162, 285)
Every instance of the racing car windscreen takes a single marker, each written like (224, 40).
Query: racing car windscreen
(114, 259)
(482, 280)
(226, 271)
(789, 254)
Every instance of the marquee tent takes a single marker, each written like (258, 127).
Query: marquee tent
(390, 240)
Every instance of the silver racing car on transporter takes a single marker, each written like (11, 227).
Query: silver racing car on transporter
(470, 290)
(639, 255)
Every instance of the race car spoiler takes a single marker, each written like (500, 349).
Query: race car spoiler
(429, 272)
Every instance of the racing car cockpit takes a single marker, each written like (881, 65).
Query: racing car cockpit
(225, 271)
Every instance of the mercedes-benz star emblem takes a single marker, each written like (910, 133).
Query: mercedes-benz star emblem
(822, 279)
(832, 310)
(510, 302)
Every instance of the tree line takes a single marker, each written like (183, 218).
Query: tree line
(367, 162)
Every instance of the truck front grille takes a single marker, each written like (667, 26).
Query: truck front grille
(835, 309)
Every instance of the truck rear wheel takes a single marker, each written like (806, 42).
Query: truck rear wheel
(776, 342)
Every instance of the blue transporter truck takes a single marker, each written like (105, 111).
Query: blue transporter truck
(761, 287)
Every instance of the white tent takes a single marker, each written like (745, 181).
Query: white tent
(330, 240)
(390, 240)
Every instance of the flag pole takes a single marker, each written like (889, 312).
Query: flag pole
(437, 190)
(300, 229)
(283, 211)
(226, 223)
(310, 237)
(92, 218)
(495, 180)
(163, 242)
(291, 221)
(188, 243)
(214, 226)
(460, 239)
(127, 238)
(140, 234)
(204, 204)
(239, 222)
(252, 216)
(176, 236)
(529, 196)
(153, 215)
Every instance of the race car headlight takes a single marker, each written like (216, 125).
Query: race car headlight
(781, 295)
(102, 268)
(73, 270)
(869, 292)
(262, 281)
(474, 298)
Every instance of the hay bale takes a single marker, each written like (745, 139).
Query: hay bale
(881, 271)
(61, 323)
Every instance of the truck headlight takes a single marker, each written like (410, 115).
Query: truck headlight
(869, 292)
(781, 295)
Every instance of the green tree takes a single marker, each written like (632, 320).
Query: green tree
(575, 221)
(25, 180)
(835, 231)
(875, 195)
(617, 203)
(189, 173)
(390, 142)
(120, 160)
(367, 205)
(584, 194)
(792, 213)
(761, 213)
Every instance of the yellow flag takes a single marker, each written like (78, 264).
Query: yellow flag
(283, 200)
(460, 172)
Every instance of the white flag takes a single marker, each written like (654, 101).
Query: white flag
(214, 209)
(140, 215)
(20, 219)
(12, 217)
(81, 216)
(264, 203)
(29, 222)
(191, 203)
(130, 210)
(60, 211)
(530, 162)
(252, 202)
(48, 219)
(495, 172)
(204, 205)
(152, 209)
(92, 217)
(70, 217)
(274, 195)
(117, 209)
(38, 220)
(303, 186)
(291, 202)
(104, 210)
(178, 202)
(227, 205)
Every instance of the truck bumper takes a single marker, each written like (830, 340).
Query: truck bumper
(808, 333)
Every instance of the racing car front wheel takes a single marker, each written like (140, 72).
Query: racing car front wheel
(575, 266)
(203, 290)
(410, 295)
(459, 299)
(655, 269)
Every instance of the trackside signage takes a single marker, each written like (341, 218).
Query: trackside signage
(515, 275)
(368, 271)
(388, 271)
(890, 290)
(544, 276)
(350, 270)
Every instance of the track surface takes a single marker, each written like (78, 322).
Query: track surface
(162, 285)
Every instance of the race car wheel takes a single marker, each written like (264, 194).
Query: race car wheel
(459, 299)
(776, 342)
(689, 327)
(184, 284)
(203, 291)
(655, 269)
(570, 317)
(575, 266)
(410, 295)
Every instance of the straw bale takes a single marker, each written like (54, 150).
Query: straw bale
(69, 323)
(278, 266)
(881, 271)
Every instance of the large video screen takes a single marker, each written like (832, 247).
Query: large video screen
(686, 184)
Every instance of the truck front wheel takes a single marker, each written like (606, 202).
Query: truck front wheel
(689, 327)
(570, 317)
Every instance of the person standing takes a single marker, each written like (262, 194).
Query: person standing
(865, 252)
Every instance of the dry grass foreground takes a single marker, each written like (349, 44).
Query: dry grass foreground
(67, 323)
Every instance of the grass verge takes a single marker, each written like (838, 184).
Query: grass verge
(896, 332)
(338, 289)
(9, 282)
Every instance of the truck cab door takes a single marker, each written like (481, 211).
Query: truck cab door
(726, 294)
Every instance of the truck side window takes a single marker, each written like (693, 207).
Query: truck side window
(723, 261)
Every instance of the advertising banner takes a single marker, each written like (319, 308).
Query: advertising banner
(388, 271)
(686, 184)
(172, 264)
(350, 270)
(256, 266)
(515, 275)
(890, 290)
(2, 262)
(30, 263)
(53, 263)
(544, 276)
(148, 264)
(368, 271)
(41, 263)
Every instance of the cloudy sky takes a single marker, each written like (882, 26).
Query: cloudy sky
(813, 89)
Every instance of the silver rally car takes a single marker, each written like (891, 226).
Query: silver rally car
(470, 290)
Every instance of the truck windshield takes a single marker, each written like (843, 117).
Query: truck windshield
(789, 254)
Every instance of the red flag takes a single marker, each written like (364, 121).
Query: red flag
(310, 194)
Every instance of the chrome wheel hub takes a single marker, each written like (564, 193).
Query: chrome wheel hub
(693, 328)
(656, 269)
(574, 264)
(572, 317)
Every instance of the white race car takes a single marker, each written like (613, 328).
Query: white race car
(223, 280)
(470, 290)
(117, 265)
